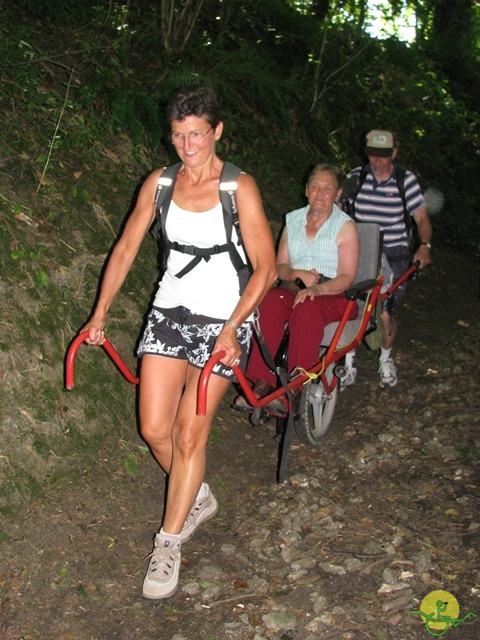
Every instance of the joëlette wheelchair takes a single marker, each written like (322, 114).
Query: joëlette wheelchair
(313, 413)
(316, 408)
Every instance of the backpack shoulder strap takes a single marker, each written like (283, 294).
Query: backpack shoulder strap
(400, 177)
(362, 176)
(228, 186)
(350, 203)
(229, 176)
(163, 196)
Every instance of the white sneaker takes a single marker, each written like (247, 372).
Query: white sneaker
(388, 373)
(202, 510)
(161, 580)
(349, 378)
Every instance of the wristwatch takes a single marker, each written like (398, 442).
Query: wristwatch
(427, 244)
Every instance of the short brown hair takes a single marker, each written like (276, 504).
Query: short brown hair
(195, 100)
(329, 168)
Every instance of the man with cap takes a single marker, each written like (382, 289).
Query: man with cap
(380, 200)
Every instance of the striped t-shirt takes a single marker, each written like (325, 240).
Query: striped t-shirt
(382, 203)
(321, 253)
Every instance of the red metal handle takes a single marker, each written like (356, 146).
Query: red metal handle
(405, 276)
(111, 352)
(243, 382)
(203, 382)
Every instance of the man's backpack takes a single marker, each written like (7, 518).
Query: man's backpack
(351, 188)
(227, 188)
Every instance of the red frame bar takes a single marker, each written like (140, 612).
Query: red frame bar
(110, 350)
(405, 276)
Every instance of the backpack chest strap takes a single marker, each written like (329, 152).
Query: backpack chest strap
(199, 254)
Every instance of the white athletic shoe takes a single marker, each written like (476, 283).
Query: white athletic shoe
(388, 373)
(349, 377)
(202, 510)
(161, 580)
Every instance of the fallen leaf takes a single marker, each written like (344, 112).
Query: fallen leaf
(240, 584)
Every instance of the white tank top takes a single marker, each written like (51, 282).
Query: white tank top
(211, 287)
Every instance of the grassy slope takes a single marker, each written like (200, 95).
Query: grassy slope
(54, 243)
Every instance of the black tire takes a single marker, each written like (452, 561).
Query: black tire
(316, 411)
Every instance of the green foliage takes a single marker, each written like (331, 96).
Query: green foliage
(131, 464)
(60, 12)
(289, 75)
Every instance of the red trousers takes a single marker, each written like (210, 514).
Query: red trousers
(306, 322)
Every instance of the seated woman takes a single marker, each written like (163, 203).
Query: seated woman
(319, 245)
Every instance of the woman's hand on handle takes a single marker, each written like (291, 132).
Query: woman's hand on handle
(227, 342)
(96, 332)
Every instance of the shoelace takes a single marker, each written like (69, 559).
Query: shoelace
(162, 559)
(193, 512)
(190, 518)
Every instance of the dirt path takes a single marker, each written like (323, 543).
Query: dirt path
(382, 513)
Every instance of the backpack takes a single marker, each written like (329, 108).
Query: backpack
(352, 188)
(227, 188)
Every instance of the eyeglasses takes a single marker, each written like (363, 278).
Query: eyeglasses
(195, 136)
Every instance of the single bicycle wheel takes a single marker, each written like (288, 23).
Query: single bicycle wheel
(316, 410)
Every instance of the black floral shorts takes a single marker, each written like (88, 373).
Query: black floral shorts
(177, 333)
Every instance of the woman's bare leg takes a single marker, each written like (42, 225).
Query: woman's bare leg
(161, 385)
(176, 435)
